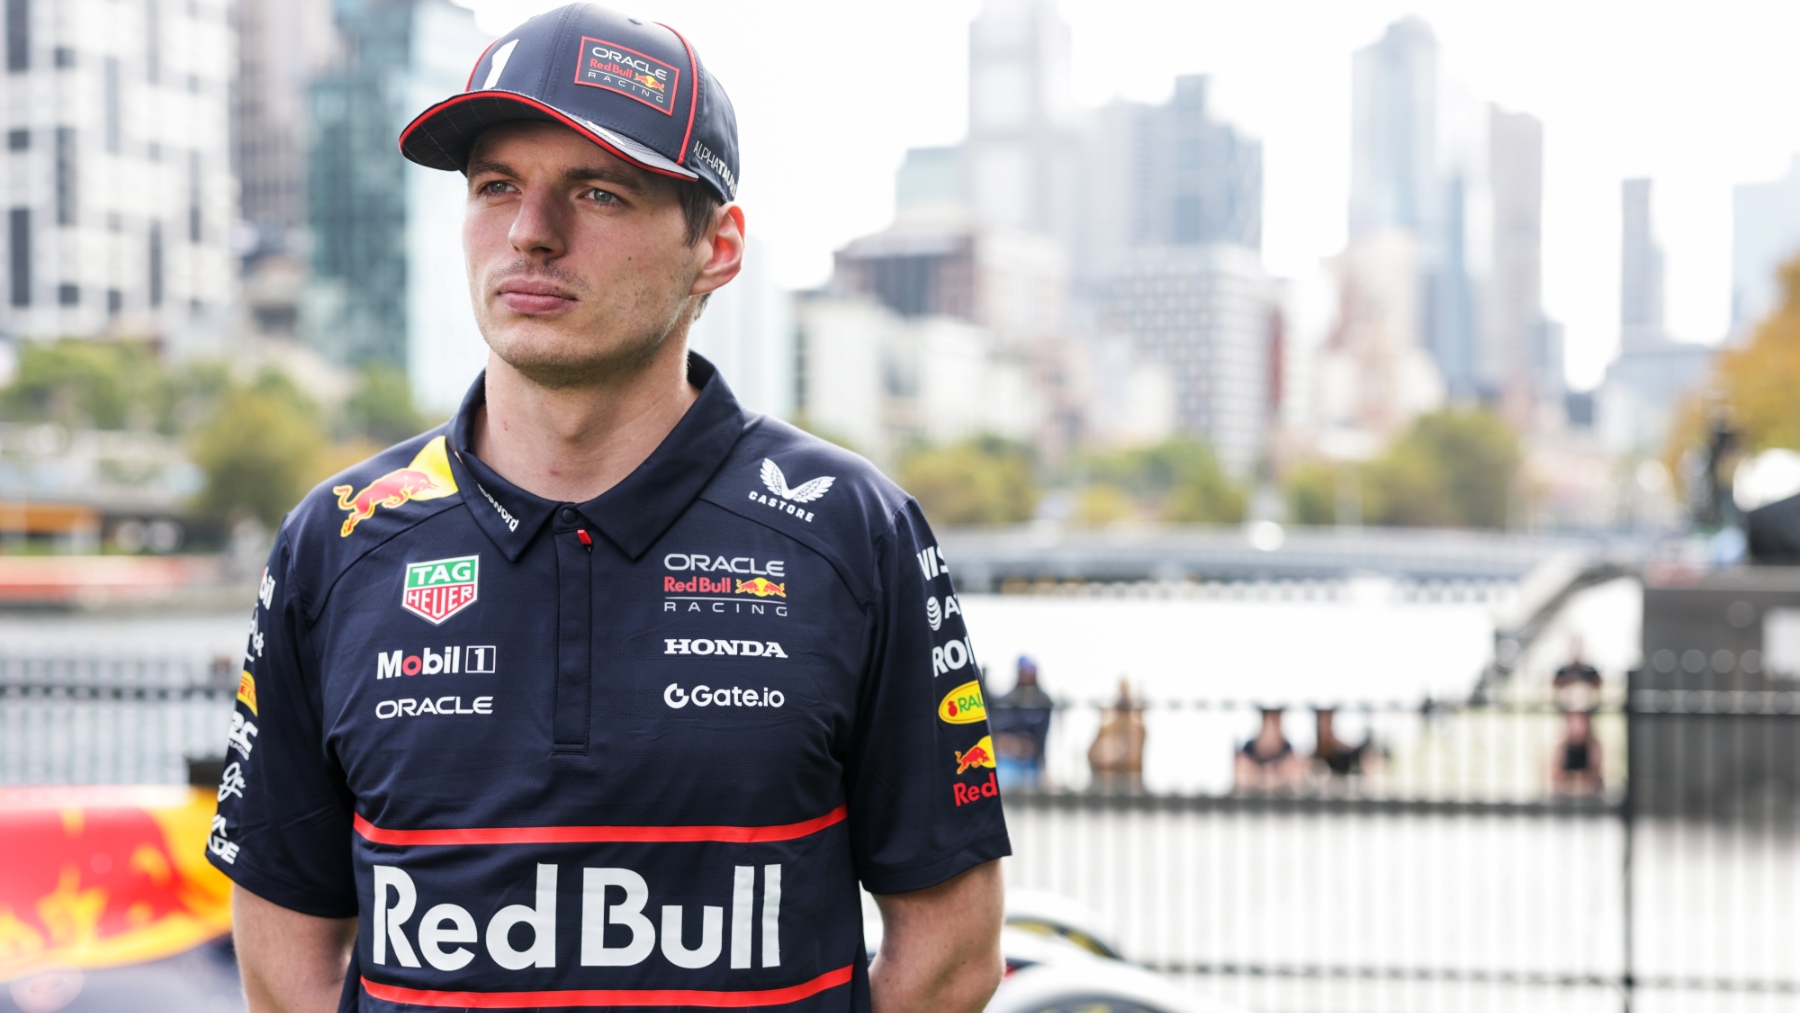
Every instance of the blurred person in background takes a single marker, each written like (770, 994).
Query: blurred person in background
(1575, 768)
(1021, 723)
(609, 772)
(1335, 758)
(1267, 762)
(1116, 759)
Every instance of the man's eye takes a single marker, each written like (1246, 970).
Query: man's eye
(600, 196)
(493, 186)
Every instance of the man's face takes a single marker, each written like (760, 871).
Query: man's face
(579, 264)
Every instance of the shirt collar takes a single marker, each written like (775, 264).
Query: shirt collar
(632, 514)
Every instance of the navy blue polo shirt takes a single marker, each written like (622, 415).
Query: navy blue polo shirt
(636, 752)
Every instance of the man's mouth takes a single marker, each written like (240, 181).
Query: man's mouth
(535, 298)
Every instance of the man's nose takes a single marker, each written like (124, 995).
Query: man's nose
(537, 230)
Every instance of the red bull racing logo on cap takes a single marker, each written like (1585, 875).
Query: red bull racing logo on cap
(628, 72)
(427, 477)
(440, 588)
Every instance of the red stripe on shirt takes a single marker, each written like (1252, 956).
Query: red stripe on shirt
(600, 835)
(610, 996)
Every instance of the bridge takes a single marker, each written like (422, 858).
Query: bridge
(1000, 559)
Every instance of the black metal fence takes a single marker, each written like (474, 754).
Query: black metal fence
(1457, 863)
(1464, 867)
(111, 719)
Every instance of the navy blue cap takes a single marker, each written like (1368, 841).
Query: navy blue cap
(634, 87)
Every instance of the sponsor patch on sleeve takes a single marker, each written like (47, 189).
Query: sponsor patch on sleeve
(963, 705)
(247, 692)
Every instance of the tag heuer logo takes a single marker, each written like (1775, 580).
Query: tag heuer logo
(441, 588)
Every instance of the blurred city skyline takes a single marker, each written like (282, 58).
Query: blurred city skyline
(1693, 104)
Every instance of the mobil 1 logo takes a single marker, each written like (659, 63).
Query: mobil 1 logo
(455, 659)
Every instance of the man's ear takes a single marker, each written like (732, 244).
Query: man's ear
(725, 240)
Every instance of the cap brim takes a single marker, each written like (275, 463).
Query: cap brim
(440, 137)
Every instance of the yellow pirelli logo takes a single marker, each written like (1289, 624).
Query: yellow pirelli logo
(247, 691)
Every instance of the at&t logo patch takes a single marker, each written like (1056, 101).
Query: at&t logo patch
(440, 588)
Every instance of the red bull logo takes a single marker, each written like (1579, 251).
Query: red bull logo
(762, 587)
(427, 477)
(649, 82)
(981, 754)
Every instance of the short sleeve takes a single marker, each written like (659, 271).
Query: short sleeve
(282, 831)
(924, 798)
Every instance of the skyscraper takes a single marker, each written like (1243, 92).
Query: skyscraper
(387, 274)
(1652, 374)
(1166, 175)
(1394, 179)
(281, 46)
(1402, 176)
(1640, 271)
(1203, 313)
(1765, 233)
(1019, 160)
(1170, 257)
(1520, 353)
(120, 201)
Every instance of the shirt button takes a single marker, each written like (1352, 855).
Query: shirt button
(568, 515)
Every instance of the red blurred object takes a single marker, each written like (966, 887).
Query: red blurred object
(102, 877)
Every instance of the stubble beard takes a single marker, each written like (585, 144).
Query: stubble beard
(585, 352)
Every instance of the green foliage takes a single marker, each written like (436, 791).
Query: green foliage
(259, 451)
(1179, 479)
(983, 480)
(1454, 468)
(1311, 488)
(86, 384)
(1100, 505)
(382, 409)
(1759, 379)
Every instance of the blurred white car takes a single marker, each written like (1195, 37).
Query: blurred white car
(1061, 958)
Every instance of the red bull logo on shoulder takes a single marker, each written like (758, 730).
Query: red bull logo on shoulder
(427, 477)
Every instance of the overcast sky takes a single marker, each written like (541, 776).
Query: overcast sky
(830, 93)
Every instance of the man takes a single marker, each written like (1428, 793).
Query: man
(1021, 724)
(605, 693)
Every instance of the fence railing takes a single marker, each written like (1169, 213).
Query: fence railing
(110, 719)
(1456, 865)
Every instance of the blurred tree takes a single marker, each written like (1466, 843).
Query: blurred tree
(983, 480)
(260, 452)
(1203, 495)
(1454, 467)
(1179, 479)
(381, 409)
(1311, 488)
(1100, 505)
(86, 384)
(1759, 381)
